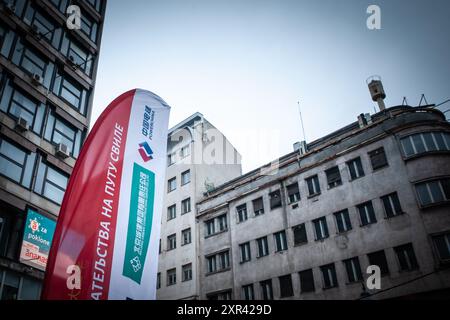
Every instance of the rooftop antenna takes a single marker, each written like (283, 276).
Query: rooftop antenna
(424, 99)
(301, 120)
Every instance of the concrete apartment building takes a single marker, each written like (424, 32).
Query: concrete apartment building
(47, 79)
(376, 192)
(199, 158)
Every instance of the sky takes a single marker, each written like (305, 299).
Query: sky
(245, 64)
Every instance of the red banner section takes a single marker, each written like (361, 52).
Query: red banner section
(79, 265)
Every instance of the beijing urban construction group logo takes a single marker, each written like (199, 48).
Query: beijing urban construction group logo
(145, 151)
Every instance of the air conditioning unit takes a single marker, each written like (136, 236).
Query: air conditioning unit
(36, 78)
(62, 151)
(22, 124)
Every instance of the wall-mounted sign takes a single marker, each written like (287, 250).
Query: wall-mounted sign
(37, 240)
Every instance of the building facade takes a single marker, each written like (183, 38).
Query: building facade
(376, 192)
(48, 69)
(199, 158)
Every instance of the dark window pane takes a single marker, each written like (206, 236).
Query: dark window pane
(353, 269)
(306, 281)
(378, 258)
(429, 142)
(333, 177)
(442, 243)
(378, 158)
(275, 199)
(407, 146)
(258, 206)
(406, 257)
(418, 143)
(300, 234)
(286, 289)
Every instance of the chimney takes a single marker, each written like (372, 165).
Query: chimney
(377, 91)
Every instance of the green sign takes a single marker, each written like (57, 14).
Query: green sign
(37, 240)
(139, 222)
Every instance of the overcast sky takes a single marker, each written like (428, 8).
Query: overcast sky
(244, 64)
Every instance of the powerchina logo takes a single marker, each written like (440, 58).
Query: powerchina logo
(145, 151)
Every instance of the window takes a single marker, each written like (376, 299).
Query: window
(442, 244)
(353, 268)
(355, 168)
(186, 236)
(313, 185)
(306, 281)
(343, 221)
(263, 247)
(89, 27)
(366, 213)
(186, 177)
(258, 206)
(406, 257)
(391, 205)
(266, 289)
(17, 104)
(378, 158)
(218, 262)
(248, 292)
(10, 243)
(47, 29)
(286, 289)
(14, 286)
(329, 276)
(242, 212)
(280, 241)
(171, 212)
(50, 182)
(425, 142)
(222, 222)
(245, 252)
(300, 234)
(60, 5)
(31, 61)
(225, 295)
(16, 164)
(170, 159)
(433, 192)
(211, 264)
(171, 184)
(378, 258)
(185, 151)
(158, 280)
(78, 56)
(71, 92)
(171, 277)
(186, 271)
(96, 4)
(293, 193)
(171, 242)
(210, 227)
(224, 260)
(275, 199)
(321, 228)
(333, 177)
(159, 246)
(60, 131)
(186, 206)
